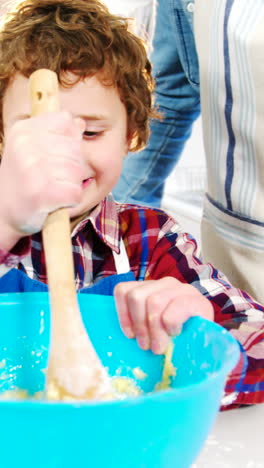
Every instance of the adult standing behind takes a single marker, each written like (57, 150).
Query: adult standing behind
(230, 47)
(175, 69)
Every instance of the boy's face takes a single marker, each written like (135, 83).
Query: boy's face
(105, 140)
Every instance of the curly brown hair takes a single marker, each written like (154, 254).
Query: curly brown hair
(83, 37)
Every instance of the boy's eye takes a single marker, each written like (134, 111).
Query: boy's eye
(91, 134)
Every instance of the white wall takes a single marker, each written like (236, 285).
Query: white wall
(184, 188)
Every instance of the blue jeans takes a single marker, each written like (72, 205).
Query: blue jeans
(175, 69)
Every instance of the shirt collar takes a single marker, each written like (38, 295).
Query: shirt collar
(105, 221)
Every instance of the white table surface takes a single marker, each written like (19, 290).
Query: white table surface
(236, 441)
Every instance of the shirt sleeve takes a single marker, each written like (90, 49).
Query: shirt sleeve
(10, 259)
(175, 255)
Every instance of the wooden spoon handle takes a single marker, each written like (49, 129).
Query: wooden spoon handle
(56, 233)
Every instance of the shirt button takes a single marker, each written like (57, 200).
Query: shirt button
(190, 7)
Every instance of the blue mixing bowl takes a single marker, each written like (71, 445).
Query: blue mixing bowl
(156, 430)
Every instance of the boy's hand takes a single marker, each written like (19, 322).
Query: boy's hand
(152, 311)
(42, 169)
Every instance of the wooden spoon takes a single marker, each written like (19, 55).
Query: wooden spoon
(74, 369)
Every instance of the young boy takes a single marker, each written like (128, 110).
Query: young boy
(73, 158)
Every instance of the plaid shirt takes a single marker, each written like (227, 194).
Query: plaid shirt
(156, 247)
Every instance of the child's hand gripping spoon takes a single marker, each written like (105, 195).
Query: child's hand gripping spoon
(74, 369)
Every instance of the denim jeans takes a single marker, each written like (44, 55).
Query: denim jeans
(175, 69)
